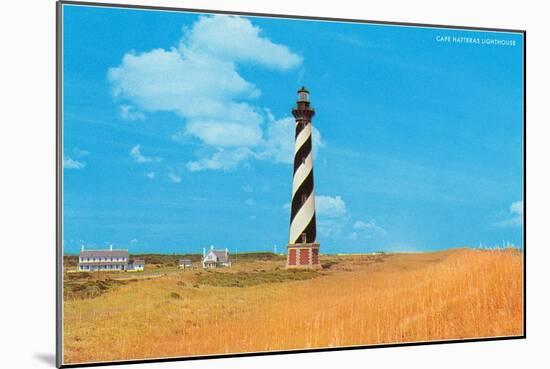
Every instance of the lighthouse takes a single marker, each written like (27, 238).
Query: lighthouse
(302, 249)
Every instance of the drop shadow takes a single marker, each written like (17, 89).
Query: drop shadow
(46, 358)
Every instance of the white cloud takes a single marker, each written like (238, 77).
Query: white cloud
(69, 163)
(197, 87)
(331, 214)
(367, 229)
(331, 227)
(150, 175)
(280, 141)
(237, 39)
(130, 113)
(135, 153)
(249, 202)
(330, 207)
(79, 153)
(198, 80)
(221, 160)
(174, 178)
(228, 134)
(516, 208)
(515, 216)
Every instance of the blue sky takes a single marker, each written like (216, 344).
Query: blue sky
(178, 133)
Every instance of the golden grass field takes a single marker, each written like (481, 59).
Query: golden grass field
(259, 306)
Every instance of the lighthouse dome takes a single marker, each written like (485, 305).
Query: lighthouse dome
(303, 95)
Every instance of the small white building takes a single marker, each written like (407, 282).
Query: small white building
(136, 265)
(185, 263)
(215, 258)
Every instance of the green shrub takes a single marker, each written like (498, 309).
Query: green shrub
(246, 279)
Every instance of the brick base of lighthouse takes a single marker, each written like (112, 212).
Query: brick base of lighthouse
(303, 256)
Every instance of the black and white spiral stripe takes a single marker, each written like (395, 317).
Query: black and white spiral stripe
(302, 214)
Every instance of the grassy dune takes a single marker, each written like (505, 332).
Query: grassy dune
(258, 306)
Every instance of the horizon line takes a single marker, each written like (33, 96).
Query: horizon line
(496, 247)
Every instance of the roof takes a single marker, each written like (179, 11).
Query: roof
(221, 255)
(185, 261)
(103, 253)
(98, 263)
